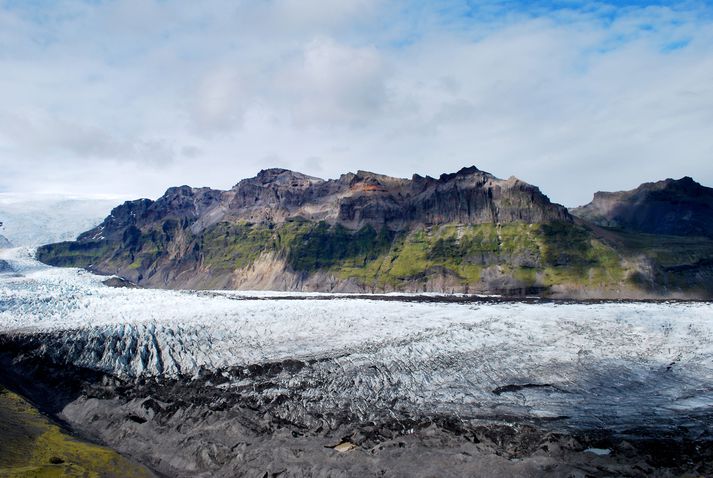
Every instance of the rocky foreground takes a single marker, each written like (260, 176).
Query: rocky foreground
(194, 427)
(235, 384)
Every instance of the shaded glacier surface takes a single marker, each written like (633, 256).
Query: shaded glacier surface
(226, 384)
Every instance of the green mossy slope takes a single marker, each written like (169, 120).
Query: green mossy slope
(530, 254)
(32, 446)
(517, 257)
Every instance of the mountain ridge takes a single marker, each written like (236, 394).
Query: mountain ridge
(671, 206)
(467, 231)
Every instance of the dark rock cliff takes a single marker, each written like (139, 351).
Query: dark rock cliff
(354, 200)
(677, 207)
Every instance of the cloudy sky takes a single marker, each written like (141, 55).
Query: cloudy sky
(129, 97)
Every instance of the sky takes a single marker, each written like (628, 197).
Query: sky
(129, 97)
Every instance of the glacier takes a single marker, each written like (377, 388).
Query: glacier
(36, 219)
(322, 362)
(436, 356)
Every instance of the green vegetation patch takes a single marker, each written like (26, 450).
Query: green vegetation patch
(74, 254)
(323, 246)
(459, 251)
(529, 253)
(32, 446)
(677, 263)
(572, 255)
(307, 246)
(667, 251)
(230, 246)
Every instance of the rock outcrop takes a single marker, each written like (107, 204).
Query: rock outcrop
(679, 207)
(354, 200)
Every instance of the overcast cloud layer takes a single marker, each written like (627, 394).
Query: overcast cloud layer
(131, 97)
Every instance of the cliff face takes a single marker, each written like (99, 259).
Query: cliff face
(354, 200)
(463, 232)
(676, 207)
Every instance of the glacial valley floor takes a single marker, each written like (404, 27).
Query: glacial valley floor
(260, 384)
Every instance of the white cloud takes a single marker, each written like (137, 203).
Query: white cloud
(332, 84)
(131, 97)
(221, 100)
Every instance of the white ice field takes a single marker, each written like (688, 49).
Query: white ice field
(611, 364)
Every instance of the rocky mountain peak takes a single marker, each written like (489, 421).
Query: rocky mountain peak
(368, 181)
(281, 177)
(355, 200)
(184, 190)
(462, 173)
(686, 186)
(672, 206)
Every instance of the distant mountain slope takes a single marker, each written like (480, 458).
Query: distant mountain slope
(676, 207)
(463, 232)
(31, 220)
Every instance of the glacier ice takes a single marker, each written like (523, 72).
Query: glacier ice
(36, 219)
(618, 364)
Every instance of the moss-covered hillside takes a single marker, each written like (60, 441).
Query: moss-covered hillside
(33, 447)
(557, 258)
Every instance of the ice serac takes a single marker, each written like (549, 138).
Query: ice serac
(680, 207)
